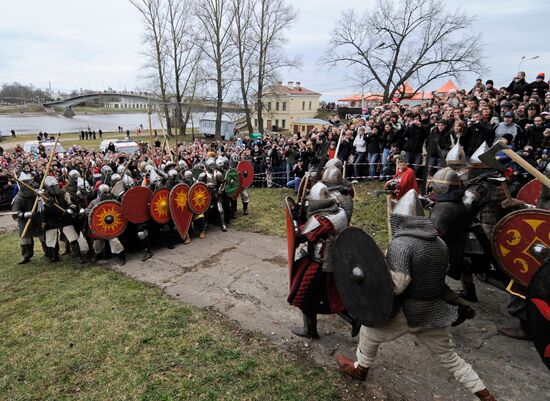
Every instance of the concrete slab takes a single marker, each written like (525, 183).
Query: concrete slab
(244, 276)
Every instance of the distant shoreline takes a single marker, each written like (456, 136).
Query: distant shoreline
(33, 111)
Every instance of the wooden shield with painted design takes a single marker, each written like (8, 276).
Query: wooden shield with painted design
(515, 239)
(179, 209)
(530, 192)
(135, 204)
(246, 173)
(106, 220)
(231, 184)
(291, 227)
(159, 207)
(199, 198)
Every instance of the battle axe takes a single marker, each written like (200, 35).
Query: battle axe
(489, 158)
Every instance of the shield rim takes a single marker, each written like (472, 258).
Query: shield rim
(189, 203)
(498, 228)
(522, 192)
(250, 167)
(231, 170)
(152, 210)
(90, 219)
(290, 203)
(302, 189)
(183, 233)
(133, 206)
(335, 255)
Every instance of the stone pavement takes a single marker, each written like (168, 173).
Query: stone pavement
(244, 276)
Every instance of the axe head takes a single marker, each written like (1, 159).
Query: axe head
(489, 157)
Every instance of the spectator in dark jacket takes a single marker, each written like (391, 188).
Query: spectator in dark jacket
(414, 136)
(538, 86)
(519, 85)
(477, 132)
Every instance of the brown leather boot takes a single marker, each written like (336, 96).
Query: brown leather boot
(347, 366)
(485, 395)
(516, 332)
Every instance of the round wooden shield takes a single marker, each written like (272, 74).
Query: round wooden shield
(179, 209)
(135, 204)
(231, 182)
(514, 238)
(159, 207)
(530, 192)
(246, 171)
(199, 198)
(106, 220)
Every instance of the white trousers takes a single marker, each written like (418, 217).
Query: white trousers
(52, 236)
(438, 341)
(114, 243)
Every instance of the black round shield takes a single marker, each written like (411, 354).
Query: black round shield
(538, 311)
(362, 277)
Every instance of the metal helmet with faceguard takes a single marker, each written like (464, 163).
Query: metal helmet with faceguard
(52, 185)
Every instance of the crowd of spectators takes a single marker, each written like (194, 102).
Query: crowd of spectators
(423, 134)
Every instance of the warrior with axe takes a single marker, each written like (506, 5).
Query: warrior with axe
(517, 305)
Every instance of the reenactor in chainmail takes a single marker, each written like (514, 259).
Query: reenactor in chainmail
(57, 221)
(214, 181)
(103, 193)
(339, 188)
(23, 204)
(245, 199)
(517, 306)
(418, 260)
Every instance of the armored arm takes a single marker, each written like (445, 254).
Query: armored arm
(398, 258)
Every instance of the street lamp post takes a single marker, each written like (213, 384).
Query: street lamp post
(525, 59)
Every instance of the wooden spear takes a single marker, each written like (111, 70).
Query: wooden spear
(46, 172)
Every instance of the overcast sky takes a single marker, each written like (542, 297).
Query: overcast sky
(96, 43)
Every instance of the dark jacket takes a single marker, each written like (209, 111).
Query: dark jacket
(475, 135)
(414, 139)
(518, 88)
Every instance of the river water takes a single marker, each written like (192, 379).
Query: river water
(32, 123)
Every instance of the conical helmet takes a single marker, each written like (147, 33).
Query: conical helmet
(445, 180)
(318, 191)
(474, 160)
(332, 176)
(25, 177)
(456, 156)
(334, 162)
(409, 205)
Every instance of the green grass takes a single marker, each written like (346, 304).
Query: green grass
(267, 213)
(94, 334)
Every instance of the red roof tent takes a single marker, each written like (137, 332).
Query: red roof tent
(447, 87)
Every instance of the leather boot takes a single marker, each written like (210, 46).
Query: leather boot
(516, 332)
(464, 313)
(97, 256)
(147, 255)
(485, 395)
(122, 258)
(54, 254)
(26, 254)
(75, 250)
(347, 366)
(309, 330)
(68, 248)
(469, 292)
(245, 208)
(224, 227)
(169, 240)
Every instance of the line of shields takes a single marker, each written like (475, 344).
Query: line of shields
(108, 219)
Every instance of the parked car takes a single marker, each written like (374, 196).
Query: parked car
(32, 147)
(121, 146)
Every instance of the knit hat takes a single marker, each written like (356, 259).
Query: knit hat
(540, 75)
(489, 81)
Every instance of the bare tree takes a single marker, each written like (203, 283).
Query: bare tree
(216, 19)
(155, 36)
(271, 19)
(406, 40)
(246, 45)
(184, 54)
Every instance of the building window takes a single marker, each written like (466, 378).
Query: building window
(303, 105)
(269, 105)
(283, 123)
(284, 106)
(276, 106)
(276, 123)
(310, 105)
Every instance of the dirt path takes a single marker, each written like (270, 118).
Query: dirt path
(244, 276)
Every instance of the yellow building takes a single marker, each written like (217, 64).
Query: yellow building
(285, 104)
